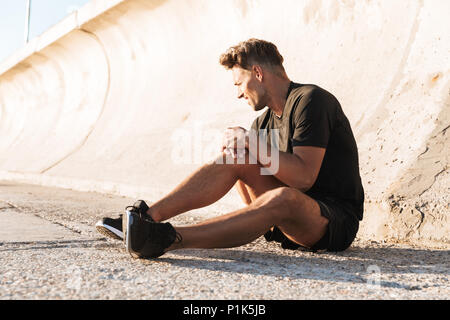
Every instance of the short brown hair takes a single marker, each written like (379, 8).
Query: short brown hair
(251, 52)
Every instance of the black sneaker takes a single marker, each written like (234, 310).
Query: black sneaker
(147, 239)
(112, 227)
(141, 208)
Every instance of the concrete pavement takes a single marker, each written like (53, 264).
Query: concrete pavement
(126, 96)
(49, 249)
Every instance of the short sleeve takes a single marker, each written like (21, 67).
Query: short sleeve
(312, 122)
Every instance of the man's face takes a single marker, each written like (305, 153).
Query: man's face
(249, 87)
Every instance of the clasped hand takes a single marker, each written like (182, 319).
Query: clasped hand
(235, 142)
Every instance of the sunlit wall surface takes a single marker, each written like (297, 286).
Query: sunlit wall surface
(43, 15)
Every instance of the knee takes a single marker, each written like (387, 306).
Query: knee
(281, 202)
(283, 193)
(239, 162)
(282, 196)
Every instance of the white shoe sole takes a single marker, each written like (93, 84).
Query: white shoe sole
(109, 231)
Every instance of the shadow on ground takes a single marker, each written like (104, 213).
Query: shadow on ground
(44, 245)
(348, 266)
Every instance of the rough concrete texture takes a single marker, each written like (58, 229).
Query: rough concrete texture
(97, 102)
(83, 265)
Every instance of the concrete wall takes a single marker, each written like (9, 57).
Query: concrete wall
(100, 101)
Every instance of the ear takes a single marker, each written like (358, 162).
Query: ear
(258, 71)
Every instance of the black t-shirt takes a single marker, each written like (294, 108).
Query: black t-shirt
(313, 117)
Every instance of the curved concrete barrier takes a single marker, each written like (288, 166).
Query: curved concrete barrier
(126, 97)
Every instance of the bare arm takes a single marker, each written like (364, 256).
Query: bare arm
(299, 169)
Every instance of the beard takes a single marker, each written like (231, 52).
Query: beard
(260, 102)
(258, 107)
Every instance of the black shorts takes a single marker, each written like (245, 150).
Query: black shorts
(341, 230)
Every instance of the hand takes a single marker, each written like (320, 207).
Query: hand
(235, 141)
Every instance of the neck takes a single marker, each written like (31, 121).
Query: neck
(277, 93)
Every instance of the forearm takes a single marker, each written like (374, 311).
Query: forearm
(286, 167)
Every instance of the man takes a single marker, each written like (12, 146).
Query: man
(314, 198)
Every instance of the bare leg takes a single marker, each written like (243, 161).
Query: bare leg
(270, 203)
(210, 183)
(296, 214)
(243, 192)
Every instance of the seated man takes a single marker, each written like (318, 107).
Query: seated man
(314, 196)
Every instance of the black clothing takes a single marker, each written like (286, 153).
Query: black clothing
(313, 117)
